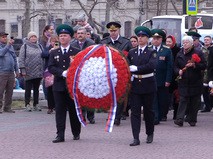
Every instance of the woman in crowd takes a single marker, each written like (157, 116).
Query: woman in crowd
(134, 41)
(31, 67)
(189, 65)
(54, 44)
(173, 89)
(45, 41)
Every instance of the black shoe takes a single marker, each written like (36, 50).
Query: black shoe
(58, 139)
(149, 138)
(92, 121)
(135, 142)
(178, 122)
(205, 110)
(117, 122)
(123, 117)
(77, 137)
(192, 123)
(156, 122)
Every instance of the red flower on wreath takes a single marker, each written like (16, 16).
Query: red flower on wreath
(92, 83)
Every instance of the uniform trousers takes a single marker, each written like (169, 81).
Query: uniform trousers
(161, 103)
(64, 103)
(191, 103)
(7, 81)
(145, 100)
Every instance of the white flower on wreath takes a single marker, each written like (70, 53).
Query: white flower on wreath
(93, 81)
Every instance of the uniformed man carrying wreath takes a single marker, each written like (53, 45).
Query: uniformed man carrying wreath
(59, 62)
(143, 62)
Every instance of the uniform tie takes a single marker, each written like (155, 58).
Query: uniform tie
(156, 48)
(140, 52)
(65, 51)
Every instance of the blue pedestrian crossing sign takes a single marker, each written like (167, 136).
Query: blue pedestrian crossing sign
(191, 7)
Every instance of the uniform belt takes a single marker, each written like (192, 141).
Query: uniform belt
(143, 76)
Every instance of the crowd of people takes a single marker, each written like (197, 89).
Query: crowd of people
(164, 76)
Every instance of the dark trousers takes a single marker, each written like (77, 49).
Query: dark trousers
(50, 98)
(29, 84)
(207, 98)
(191, 103)
(145, 100)
(89, 114)
(7, 81)
(64, 103)
(119, 110)
(161, 103)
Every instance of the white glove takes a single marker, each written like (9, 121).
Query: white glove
(211, 84)
(133, 68)
(64, 74)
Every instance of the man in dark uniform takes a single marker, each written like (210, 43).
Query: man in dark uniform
(122, 44)
(59, 62)
(196, 39)
(163, 75)
(143, 62)
(82, 43)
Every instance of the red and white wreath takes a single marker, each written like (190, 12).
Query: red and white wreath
(98, 78)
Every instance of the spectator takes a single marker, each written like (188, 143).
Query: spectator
(134, 41)
(190, 81)
(31, 67)
(54, 44)
(8, 66)
(173, 88)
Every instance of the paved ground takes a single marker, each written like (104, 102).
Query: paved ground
(28, 135)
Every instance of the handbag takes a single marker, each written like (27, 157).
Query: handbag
(48, 78)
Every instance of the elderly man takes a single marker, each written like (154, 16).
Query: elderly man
(189, 65)
(143, 62)
(8, 66)
(59, 62)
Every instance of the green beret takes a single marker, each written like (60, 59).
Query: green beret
(113, 26)
(141, 30)
(158, 33)
(65, 29)
(194, 35)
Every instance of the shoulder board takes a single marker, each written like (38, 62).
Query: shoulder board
(166, 46)
(125, 38)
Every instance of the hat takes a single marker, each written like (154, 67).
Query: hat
(193, 34)
(65, 29)
(141, 30)
(113, 26)
(30, 34)
(81, 18)
(158, 33)
(3, 33)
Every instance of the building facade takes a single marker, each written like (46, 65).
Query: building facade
(16, 14)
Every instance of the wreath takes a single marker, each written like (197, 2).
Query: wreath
(98, 78)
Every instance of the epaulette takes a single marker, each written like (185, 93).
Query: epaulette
(166, 46)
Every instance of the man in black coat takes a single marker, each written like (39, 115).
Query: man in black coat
(59, 62)
(122, 44)
(82, 43)
(143, 62)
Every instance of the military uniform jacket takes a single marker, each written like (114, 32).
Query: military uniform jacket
(164, 68)
(146, 63)
(122, 44)
(59, 62)
(210, 64)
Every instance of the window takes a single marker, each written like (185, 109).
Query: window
(58, 22)
(2, 25)
(42, 24)
(128, 28)
(14, 30)
(205, 20)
